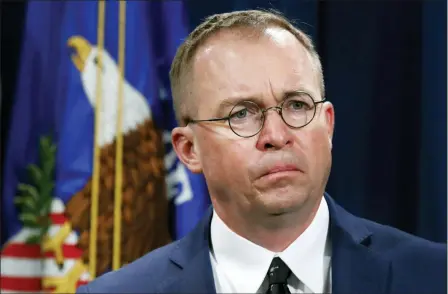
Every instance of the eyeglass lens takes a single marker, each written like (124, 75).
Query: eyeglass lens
(246, 118)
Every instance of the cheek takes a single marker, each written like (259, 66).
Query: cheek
(317, 150)
(225, 160)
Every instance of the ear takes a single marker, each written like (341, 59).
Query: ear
(329, 120)
(184, 145)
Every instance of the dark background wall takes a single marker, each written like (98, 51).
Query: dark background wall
(385, 70)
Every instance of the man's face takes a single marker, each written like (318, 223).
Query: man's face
(279, 169)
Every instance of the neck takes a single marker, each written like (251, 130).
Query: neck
(272, 232)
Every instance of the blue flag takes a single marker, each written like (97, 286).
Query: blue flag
(63, 143)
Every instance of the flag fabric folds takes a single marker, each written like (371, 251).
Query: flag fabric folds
(63, 144)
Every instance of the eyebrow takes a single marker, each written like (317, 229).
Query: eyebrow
(232, 101)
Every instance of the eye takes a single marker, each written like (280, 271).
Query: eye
(244, 112)
(296, 105)
(95, 60)
(240, 113)
(301, 102)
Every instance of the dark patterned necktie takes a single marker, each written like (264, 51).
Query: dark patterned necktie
(277, 275)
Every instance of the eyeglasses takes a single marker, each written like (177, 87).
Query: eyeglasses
(246, 119)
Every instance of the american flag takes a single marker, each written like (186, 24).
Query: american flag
(25, 268)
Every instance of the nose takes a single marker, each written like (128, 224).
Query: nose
(275, 134)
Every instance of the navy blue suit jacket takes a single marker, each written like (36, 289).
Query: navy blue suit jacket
(367, 258)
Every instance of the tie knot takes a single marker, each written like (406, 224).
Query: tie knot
(278, 272)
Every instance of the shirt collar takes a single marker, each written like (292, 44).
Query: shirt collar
(247, 263)
(308, 255)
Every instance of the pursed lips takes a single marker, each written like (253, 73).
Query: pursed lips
(280, 168)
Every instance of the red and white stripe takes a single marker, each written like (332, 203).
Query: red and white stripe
(23, 266)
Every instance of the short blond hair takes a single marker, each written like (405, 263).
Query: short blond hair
(252, 19)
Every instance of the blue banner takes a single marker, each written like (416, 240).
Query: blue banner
(56, 101)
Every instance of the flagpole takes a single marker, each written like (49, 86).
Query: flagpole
(119, 135)
(96, 164)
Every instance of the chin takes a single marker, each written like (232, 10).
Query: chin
(281, 202)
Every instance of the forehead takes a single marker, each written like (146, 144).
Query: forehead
(265, 65)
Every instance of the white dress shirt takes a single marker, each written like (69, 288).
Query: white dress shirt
(240, 266)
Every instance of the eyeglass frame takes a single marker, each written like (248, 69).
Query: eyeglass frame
(278, 108)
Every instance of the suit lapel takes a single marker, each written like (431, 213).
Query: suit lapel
(191, 258)
(355, 267)
(195, 277)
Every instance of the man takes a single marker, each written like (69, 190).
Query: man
(249, 95)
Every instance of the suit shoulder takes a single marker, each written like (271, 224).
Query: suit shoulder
(405, 247)
(140, 276)
(418, 265)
